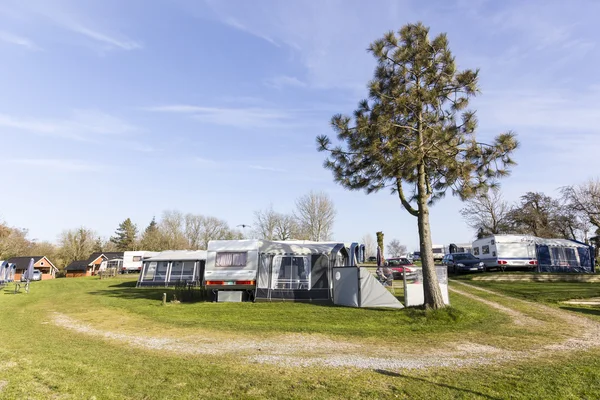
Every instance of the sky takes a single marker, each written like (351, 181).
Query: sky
(117, 109)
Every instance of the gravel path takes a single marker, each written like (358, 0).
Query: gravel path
(304, 350)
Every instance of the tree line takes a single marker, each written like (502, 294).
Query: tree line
(574, 214)
(312, 219)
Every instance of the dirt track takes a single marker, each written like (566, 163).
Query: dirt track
(303, 349)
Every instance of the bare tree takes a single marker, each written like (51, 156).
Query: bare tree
(286, 227)
(13, 242)
(193, 230)
(77, 244)
(265, 223)
(396, 249)
(315, 213)
(213, 228)
(370, 246)
(487, 214)
(585, 198)
(172, 229)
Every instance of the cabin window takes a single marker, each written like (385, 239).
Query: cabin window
(475, 251)
(42, 263)
(137, 258)
(149, 271)
(485, 249)
(231, 259)
(291, 273)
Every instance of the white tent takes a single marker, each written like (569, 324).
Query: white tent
(357, 287)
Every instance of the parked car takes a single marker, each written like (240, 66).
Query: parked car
(463, 262)
(399, 265)
(37, 276)
(416, 256)
(372, 259)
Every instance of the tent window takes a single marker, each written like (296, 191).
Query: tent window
(149, 271)
(485, 249)
(584, 257)
(161, 271)
(558, 256)
(187, 273)
(231, 259)
(176, 269)
(293, 273)
(571, 257)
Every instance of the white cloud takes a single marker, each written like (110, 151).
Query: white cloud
(56, 164)
(82, 125)
(122, 43)
(270, 169)
(11, 38)
(279, 82)
(241, 117)
(234, 23)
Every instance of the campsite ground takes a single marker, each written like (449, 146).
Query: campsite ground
(90, 338)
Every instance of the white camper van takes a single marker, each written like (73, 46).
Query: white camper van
(237, 270)
(133, 260)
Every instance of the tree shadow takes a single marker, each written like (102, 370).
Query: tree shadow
(151, 293)
(583, 310)
(469, 391)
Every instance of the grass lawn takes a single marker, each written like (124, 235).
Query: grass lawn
(40, 360)
(552, 293)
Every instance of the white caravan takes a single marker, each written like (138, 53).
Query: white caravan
(238, 270)
(545, 255)
(439, 251)
(133, 260)
(506, 251)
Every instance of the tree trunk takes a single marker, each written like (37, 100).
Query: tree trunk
(431, 288)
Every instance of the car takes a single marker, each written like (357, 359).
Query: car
(463, 262)
(416, 256)
(372, 259)
(400, 264)
(37, 276)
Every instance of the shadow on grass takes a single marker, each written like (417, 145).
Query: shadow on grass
(397, 375)
(583, 310)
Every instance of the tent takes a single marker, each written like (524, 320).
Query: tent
(563, 255)
(298, 270)
(172, 267)
(357, 287)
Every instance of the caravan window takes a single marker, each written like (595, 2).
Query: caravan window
(137, 258)
(438, 251)
(231, 259)
(485, 249)
(292, 273)
(515, 250)
(476, 251)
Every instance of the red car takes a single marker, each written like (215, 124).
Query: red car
(399, 265)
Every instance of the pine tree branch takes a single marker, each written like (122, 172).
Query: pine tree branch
(405, 203)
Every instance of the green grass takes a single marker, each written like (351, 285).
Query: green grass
(39, 360)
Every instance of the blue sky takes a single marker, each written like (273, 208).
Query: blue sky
(113, 109)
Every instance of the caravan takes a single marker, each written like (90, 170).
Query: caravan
(439, 251)
(526, 251)
(133, 260)
(239, 270)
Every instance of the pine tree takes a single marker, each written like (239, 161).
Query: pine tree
(152, 238)
(416, 135)
(125, 236)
